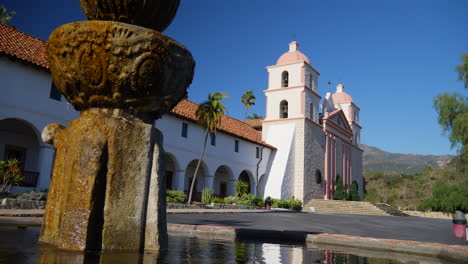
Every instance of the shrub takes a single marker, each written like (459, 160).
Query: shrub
(207, 195)
(175, 196)
(39, 195)
(218, 200)
(318, 176)
(251, 200)
(241, 187)
(294, 204)
(10, 174)
(230, 199)
(340, 192)
(353, 194)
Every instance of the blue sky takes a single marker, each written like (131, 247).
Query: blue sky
(392, 56)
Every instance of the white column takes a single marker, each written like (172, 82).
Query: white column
(44, 165)
(209, 182)
(179, 180)
(231, 184)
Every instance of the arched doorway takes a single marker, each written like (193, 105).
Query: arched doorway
(246, 176)
(199, 181)
(20, 140)
(222, 179)
(171, 169)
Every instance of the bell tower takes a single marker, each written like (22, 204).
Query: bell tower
(291, 120)
(292, 87)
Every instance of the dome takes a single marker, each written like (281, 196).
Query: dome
(341, 97)
(293, 55)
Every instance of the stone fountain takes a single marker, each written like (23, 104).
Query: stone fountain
(120, 73)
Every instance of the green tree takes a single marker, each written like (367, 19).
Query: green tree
(340, 191)
(447, 198)
(462, 70)
(248, 99)
(6, 16)
(452, 109)
(254, 116)
(353, 194)
(209, 115)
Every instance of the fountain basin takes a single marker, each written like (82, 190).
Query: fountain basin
(108, 64)
(154, 14)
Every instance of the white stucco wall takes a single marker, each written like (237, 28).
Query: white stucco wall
(25, 96)
(280, 134)
(188, 149)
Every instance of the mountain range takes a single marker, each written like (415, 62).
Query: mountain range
(375, 159)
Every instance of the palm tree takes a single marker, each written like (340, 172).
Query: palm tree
(254, 116)
(248, 99)
(209, 117)
(5, 16)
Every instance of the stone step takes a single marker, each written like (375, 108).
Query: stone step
(343, 207)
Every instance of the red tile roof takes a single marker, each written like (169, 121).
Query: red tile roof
(30, 49)
(22, 46)
(186, 109)
(255, 123)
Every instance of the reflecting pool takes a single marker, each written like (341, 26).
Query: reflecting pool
(18, 245)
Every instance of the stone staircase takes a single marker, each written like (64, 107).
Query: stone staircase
(344, 207)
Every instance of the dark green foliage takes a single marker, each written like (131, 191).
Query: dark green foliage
(251, 200)
(295, 204)
(6, 16)
(453, 114)
(318, 176)
(292, 204)
(39, 195)
(447, 198)
(462, 70)
(407, 191)
(175, 196)
(353, 194)
(241, 187)
(254, 116)
(340, 191)
(218, 200)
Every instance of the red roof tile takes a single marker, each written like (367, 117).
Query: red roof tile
(22, 46)
(186, 109)
(30, 49)
(255, 123)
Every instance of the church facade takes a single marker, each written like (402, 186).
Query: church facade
(303, 136)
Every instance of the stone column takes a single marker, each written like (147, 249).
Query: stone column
(44, 166)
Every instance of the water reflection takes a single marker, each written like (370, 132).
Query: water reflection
(19, 246)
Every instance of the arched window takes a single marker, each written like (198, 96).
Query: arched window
(285, 79)
(311, 81)
(312, 111)
(284, 109)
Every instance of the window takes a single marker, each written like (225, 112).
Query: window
(285, 79)
(213, 139)
(284, 109)
(236, 145)
(257, 152)
(54, 92)
(311, 81)
(312, 111)
(184, 130)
